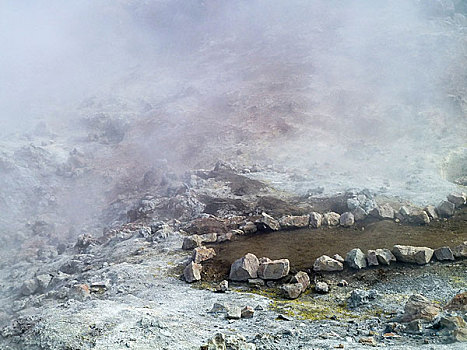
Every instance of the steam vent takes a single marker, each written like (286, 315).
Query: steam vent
(233, 174)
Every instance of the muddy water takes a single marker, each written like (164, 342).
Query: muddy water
(303, 246)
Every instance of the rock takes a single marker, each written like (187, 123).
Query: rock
(273, 269)
(222, 287)
(419, 307)
(201, 254)
(248, 227)
(359, 214)
(384, 256)
(343, 283)
(256, 282)
(460, 251)
(356, 259)
(405, 211)
(292, 290)
(325, 263)
(459, 199)
(415, 255)
(431, 211)
(72, 266)
(234, 313)
(367, 341)
(331, 219)
(290, 221)
(414, 327)
(302, 278)
(458, 303)
(445, 209)
(230, 342)
(322, 287)
(382, 212)
(244, 268)
(192, 272)
(79, 292)
(208, 237)
(267, 222)
(223, 237)
(247, 312)
(218, 308)
(359, 297)
(43, 281)
(444, 253)
(315, 220)
(29, 287)
(192, 242)
(347, 219)
(371, 258)
(414, 215)
(338, 258)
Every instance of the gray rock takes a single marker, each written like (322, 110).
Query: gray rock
(315, 220)
(256, 282)
(382, 212)
(338, 258)
(43, 281)
(331, 219)
(384, 256)
(419, 307)
(247, 312)
(360, 297)
(192, 242)
(218, 308)
(292, 290)
(431, 211)
(290, 221)
(72, 266)
(356, 259)
(29, 287)
(460, 251)
(347, 219)
(273, 269)
(415, 255)
(302, 278)
(322, 287)
(249, 227)
(201, 254)
(325, 263)
(222, 342)
(208, 237)
(222, 287)
(445, 209)
(414, 327)
(444, 253)
(359, 214)
(234, 313)
(244, 268)
(268, 222)
(192, 272)
(371, 258)
(223, 237)
(458, 199)
(419, 217)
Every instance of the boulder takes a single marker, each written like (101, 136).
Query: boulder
(458, 303)
(371, 258)
(218, 308)
(444, 253)
(384, 256)
(382, 212)
(460, 251)
(326, 263)
(247, 312)
(302, 278)
(331, 219)
(431, 211)
(222, 287)
(322, 287)
(315, 220)
(192, 272)
(414, 215)
(249, 227)
(347, 219)
(414, 255)
(192, 242)
(359, 214)
(291, 221)
(292, 290)
(458, 199)
(273, 269)
(445, 209)
(268, 222)
(419, 308)
(201, 254)
(234, 313)
(244, 268)
(356, 259)
(43, 281)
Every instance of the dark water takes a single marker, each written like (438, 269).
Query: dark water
(303, 246)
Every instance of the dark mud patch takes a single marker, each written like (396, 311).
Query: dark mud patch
(303, 246)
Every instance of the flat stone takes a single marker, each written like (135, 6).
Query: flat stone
(268, 222)
(326, 263)
(410, 254)
(444, 253)
(331, 219)
(322, 287)
(201, 254)
(291, 221)
(244, 268)
(445, 209)
(191, 242)
(302, 278)
(460, 251)
(384, 256)
(347, 219)
(247, 312)
(458, 199)
(292, 290)
(356, 259)
(371, 258)
(419, 307)
(192, 272)
(315, 219)
(274, 269)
